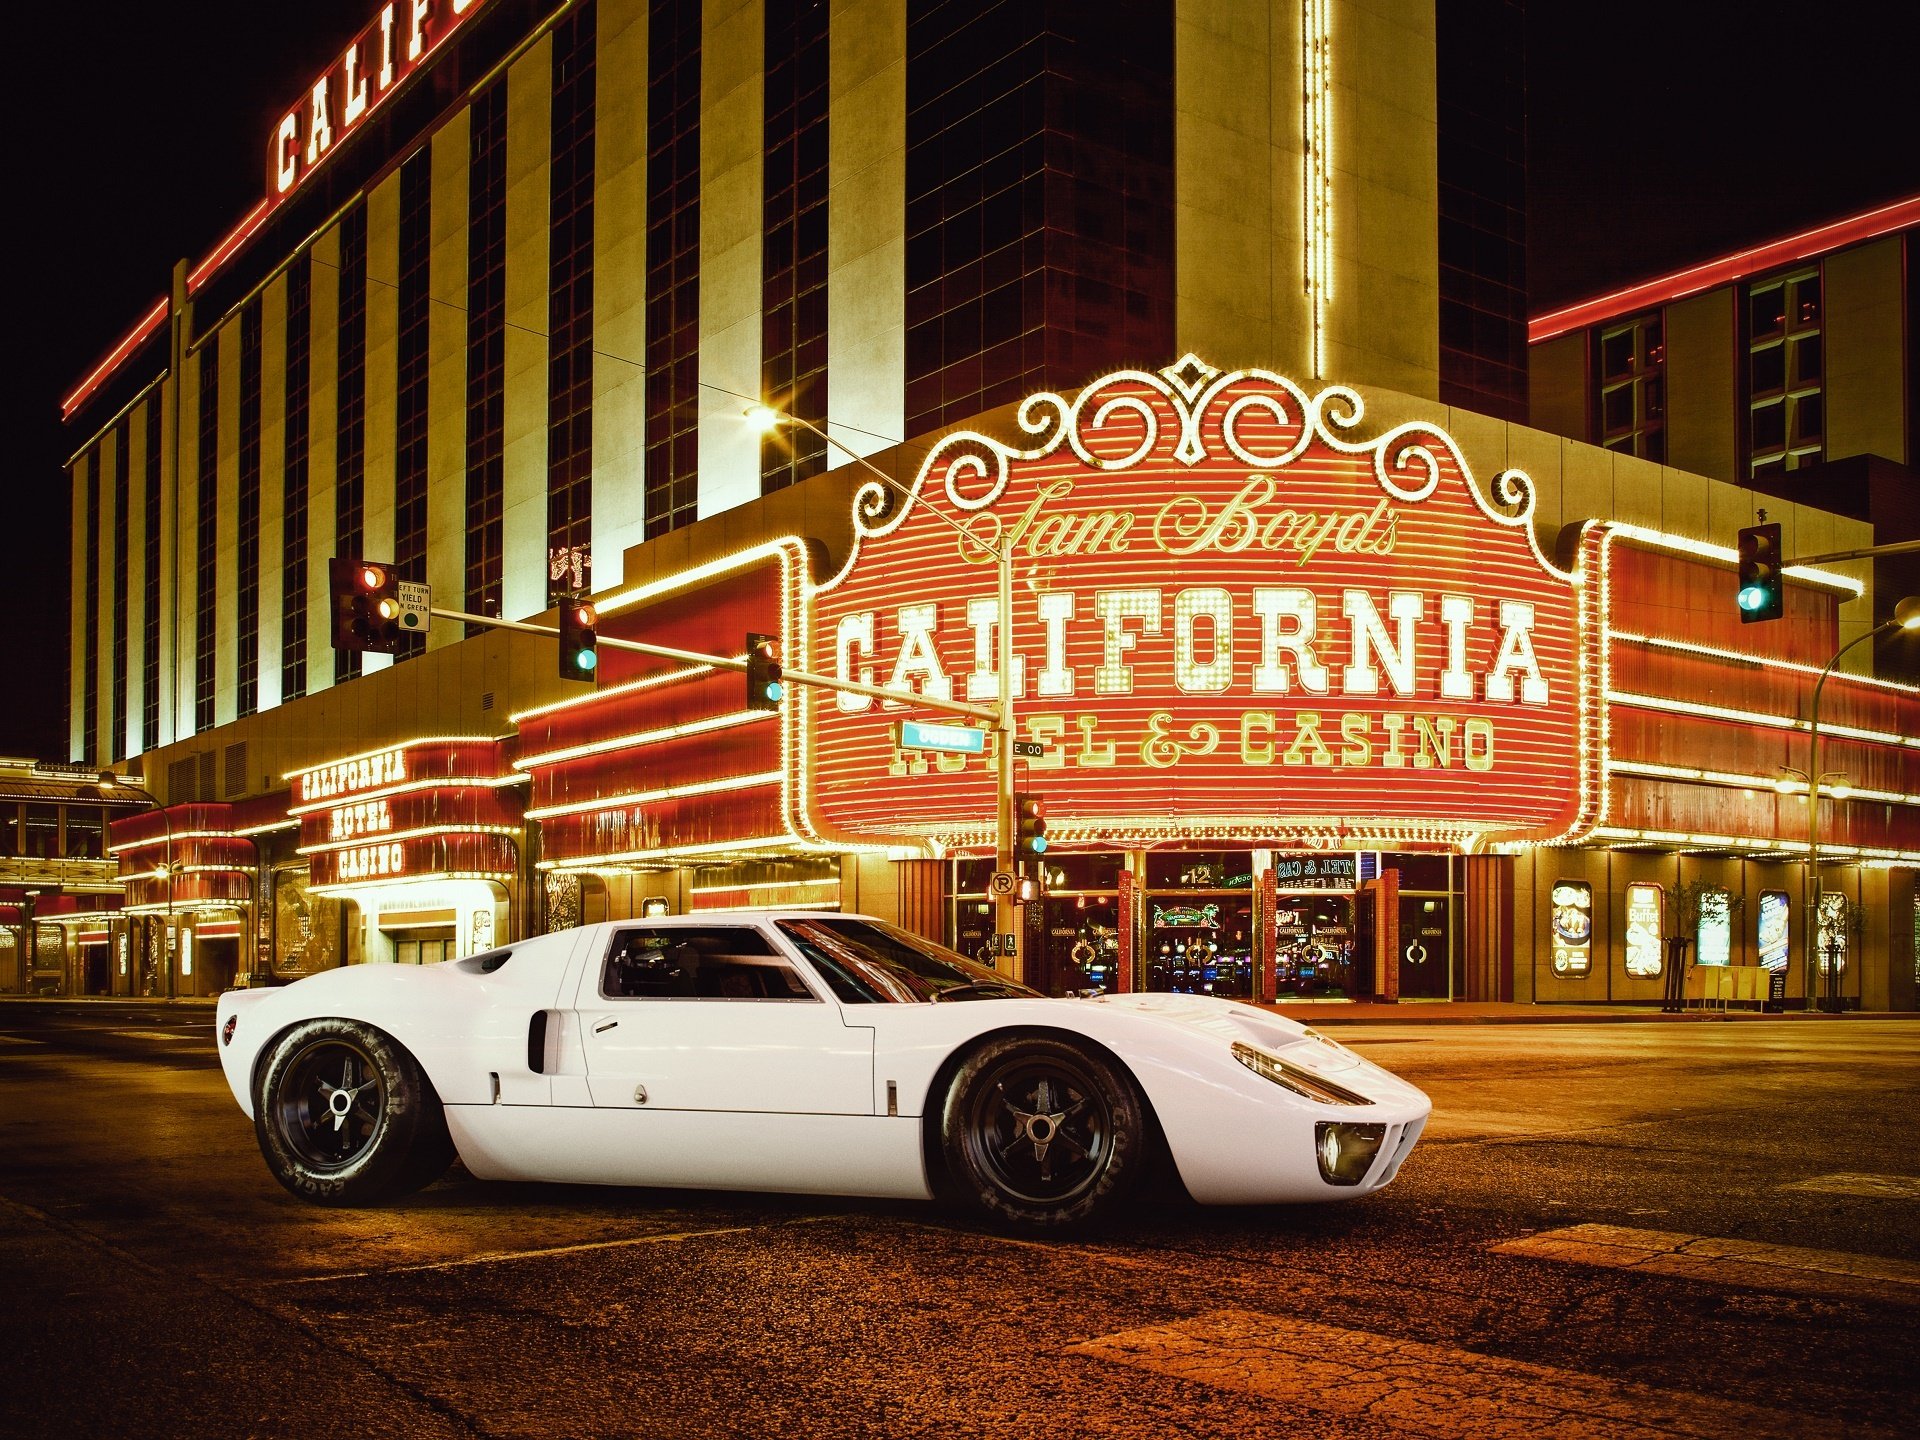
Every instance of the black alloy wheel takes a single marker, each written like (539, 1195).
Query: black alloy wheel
(330, 1103)
(345, 1116)
(1042, 1132)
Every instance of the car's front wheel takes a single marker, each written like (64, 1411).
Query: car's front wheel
(1042, 1132)
(345, 1116)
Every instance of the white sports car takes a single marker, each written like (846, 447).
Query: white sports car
(796, 1051)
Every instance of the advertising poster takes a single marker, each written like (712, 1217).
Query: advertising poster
(1774, 939)
(1833, 932)
(1572, 927)
(1715, 936)
(1645, 904)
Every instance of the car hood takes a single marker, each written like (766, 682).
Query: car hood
(1232, 1021)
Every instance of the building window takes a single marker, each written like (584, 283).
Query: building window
(206, 533)
(1630, 361)
(293, 523)
(1786, 375)
(350, 444)
(247, 516)
(90, 611)
(793, 279)
(150, 601)
(122, 535)
(673, 265)
(486, 345)
(1039, 199)
(410, 408)
(570, 306)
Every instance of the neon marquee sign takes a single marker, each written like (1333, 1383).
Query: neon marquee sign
(1233, 619)
(401, 38)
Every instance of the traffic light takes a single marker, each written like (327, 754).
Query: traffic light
(1762, 592)
(366, 605)
(764, 690)
(579, 642)
(1029, 826)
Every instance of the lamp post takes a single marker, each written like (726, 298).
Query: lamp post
(110, 782)
(1906, 616)
(765, 418)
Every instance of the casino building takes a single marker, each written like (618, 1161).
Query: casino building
(1207, 320)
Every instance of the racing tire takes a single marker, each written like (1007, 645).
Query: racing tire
(1042, 1133)
(345, 1116)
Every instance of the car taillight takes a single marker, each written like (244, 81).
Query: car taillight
(226, 1030)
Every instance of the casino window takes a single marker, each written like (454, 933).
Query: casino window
(1630, 365)
(1786, 374)
(1200, 923)
(1071, 940)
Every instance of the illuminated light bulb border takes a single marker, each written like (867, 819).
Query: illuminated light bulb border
(497, 877)
(614, 692)
(1316, 85)
(413, 744)
(1648, 770)
(1688, 647)
(756, 848)
(650, 797)
(390, 836)
(1722, 555)
(1756, 717)
(833, 880)
(639, 739)
(1190, 386)
(411, 787)
(179, 836)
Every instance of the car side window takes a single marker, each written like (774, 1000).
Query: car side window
(697, 962)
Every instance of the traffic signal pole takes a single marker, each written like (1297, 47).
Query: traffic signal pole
(727, 662)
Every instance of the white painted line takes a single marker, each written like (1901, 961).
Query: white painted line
(1718, 1261)
(498, 1257)
(21, 1040)
(1881, 1187)
(1407, 1387)
(155, 1035)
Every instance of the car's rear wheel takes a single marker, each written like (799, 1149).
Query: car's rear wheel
(345, 1116)
(1042, 1132)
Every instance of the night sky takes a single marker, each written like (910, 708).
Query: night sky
(1661, 133)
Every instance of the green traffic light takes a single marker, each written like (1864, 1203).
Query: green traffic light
(586, 660)
(1753, 597)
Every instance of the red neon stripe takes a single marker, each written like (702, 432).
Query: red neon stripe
(1741, 263)
(236, 237)
(135, 338)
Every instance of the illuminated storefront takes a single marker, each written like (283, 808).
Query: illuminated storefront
(1324, 715)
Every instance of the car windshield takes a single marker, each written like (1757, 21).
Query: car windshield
(866, 962)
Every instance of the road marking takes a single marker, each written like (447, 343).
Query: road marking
(1406, 1387)
(496, 1257)
(1885, 1187)
(20, 1040)
(154, 1035)
(1745, 1263)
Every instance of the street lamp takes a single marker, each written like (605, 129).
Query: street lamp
(766, 419)
(1906, 616)
(110, 782)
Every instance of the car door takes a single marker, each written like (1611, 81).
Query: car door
(713, 1018)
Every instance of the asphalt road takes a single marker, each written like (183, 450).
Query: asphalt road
(1610, 1230)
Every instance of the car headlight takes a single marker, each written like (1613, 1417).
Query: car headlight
(1346, 1151)
(1301, 1082)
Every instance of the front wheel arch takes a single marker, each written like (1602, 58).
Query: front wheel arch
(1156, 1161)
(408, 1144)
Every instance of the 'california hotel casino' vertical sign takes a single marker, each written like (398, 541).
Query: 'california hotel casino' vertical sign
(1234, 619)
